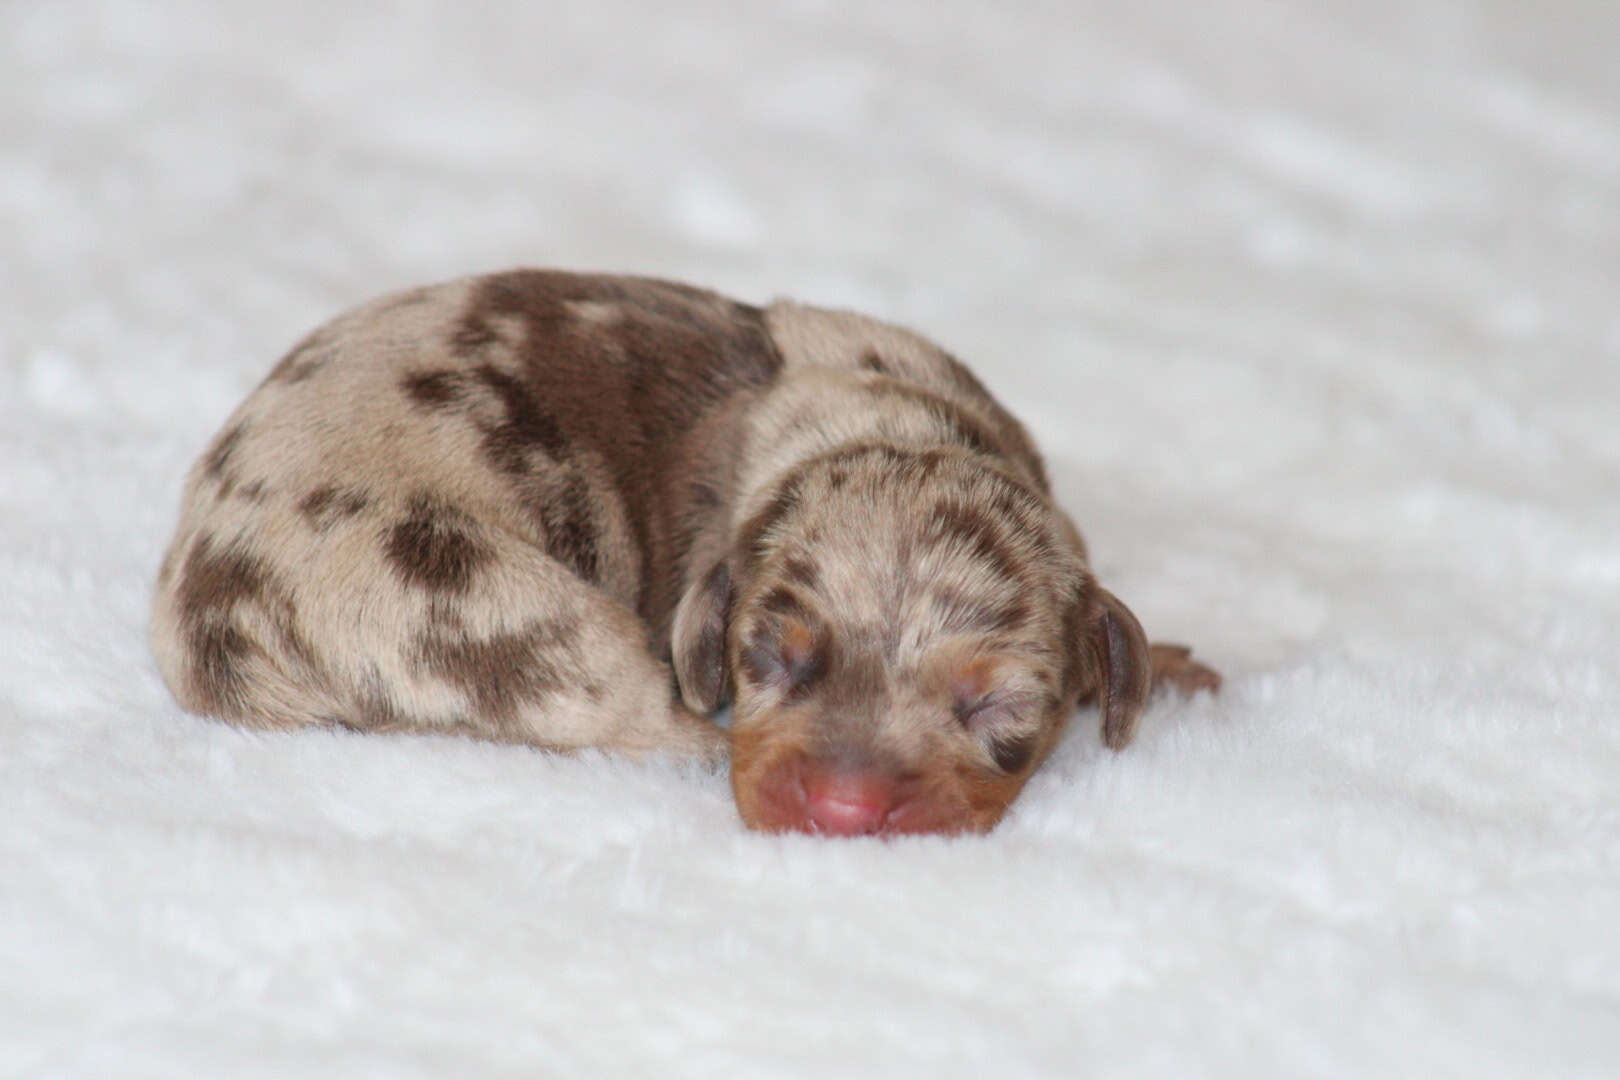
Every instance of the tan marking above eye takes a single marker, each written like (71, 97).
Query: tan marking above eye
(971, 686)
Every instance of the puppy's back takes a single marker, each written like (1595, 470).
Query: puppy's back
(429, 488)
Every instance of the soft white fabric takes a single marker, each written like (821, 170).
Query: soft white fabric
(1315, 308)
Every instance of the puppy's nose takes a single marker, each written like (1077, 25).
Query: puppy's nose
(843, 803)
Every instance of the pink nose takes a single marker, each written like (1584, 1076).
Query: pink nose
(845, 803)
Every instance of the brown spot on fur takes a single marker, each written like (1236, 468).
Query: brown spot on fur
(570, 528)
(253, 492)
(217, 649)
(504, 671)
(526, 425)
(216, 580)
(973, 529)
(871, 361)
(434, 389)
(635, 393)
(433, 550)
(327, 503)
(213, 583)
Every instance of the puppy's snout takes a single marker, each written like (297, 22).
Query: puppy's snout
(834, 798)
(840, 802)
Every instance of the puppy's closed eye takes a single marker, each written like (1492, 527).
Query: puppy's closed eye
(997, 708)
(1001, 711)
(986, 693)
(785, 654)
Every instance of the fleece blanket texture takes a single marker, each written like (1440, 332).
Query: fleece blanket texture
(1315, 309)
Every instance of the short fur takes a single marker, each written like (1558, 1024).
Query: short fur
(511, 506)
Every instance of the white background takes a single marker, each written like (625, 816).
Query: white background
(1315, 308)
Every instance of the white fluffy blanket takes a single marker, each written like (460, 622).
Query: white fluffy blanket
(1315, 307)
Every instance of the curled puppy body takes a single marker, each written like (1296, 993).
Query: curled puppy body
(512, 506)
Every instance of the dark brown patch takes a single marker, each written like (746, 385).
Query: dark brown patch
(500, 673)
(570, 528)
(215, 581)
(1014, 501)
(433, 550)
(647, 394)
(212, 584)
(871, 361)
(434, 389)
(525, 426)
(974, 529)
(253, 492)
(217, 649)
(1012, 754)
(326, 504)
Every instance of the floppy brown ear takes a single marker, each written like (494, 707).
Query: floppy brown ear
(1127, 669)
(698, 640)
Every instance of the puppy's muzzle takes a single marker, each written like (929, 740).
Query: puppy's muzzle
(824, 797)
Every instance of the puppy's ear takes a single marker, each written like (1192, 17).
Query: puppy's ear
(698, 640)
(1126, 669)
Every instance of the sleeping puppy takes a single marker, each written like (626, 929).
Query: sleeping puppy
(514, 506)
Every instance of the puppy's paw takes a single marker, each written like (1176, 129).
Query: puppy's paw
(1174, 667)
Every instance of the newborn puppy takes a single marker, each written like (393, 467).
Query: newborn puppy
(511, 506)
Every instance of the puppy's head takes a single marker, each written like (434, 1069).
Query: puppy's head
(902, 636)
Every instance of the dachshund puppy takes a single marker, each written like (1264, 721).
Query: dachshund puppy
(516, 506)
